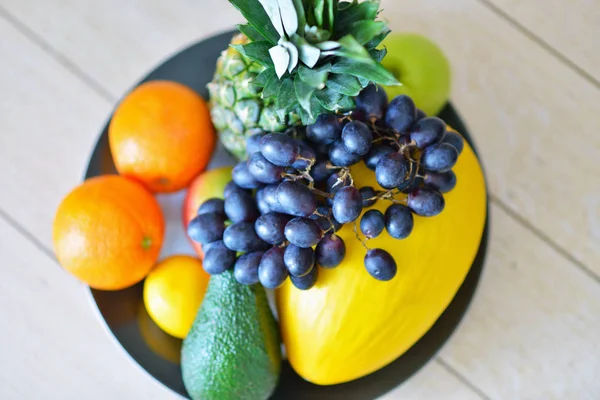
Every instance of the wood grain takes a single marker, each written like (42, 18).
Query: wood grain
(118, 42)
(529, 112)
(49, 124)
(52, 342)
(571, 28)
(532, 330)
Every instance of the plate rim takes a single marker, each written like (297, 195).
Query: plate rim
(483, 245)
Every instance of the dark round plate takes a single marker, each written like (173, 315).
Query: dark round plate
(157, 353)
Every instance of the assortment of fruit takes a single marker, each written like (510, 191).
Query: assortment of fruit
(293, 61)
(305, 192)
(108, 232)
(334, 185)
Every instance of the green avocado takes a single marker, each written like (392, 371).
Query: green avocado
(233, 348)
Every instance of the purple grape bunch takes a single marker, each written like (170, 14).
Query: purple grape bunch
(286, 203)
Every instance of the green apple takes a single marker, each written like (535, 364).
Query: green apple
(421, 67)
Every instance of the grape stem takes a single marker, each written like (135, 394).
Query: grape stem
(359, 238)
(321, 193)
(293, 177)
(394, 137)
(328, 218)
(389, 196)
(311, 162)
(382, 138)
(383, 135)
(345, 174)
(319, 214)
(302, 175)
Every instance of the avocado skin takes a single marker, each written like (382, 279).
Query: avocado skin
(233, 349)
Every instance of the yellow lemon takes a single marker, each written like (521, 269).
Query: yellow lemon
(349, 324)
(173, 292)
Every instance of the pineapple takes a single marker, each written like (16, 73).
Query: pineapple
(237, 108)
(292, 61)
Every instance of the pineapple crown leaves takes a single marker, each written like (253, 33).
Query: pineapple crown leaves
(317, 54)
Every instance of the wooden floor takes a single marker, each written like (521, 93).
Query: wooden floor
(526, 80)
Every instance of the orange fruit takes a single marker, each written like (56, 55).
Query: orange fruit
(108, 232)
(161, 134)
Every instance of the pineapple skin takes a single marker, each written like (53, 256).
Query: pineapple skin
(236, 106)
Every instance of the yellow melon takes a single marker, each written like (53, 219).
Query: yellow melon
(349, 324)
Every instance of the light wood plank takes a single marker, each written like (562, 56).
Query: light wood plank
(570, 27)
(117, 42)
(532, 330)
(532, 117)
(49, 124)
(52, 342)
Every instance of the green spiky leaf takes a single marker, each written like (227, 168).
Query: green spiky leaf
(374, 72)
(330, 11)
(272, 87)
(332, 101)
(325, 56)
(365, 31)
(281, 59)
(280, 115)
(264, 77)
(344, 84)
(315, 77)
(378, 55)
(257, 17)
(308, 53)
(328, 46)
(256, 51)
(328, 98)
(376, 41)
(305, 119)
(251, 33)
(353, 50)
(367, 10)
(298, 4)
(293, 53)
(363, 82)
(271, 7)
(345, 103)
(318, 9)
(303, 93)
(316, 35)
(345, 4)
(289, 16)
(317, 109)
(286, 97)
